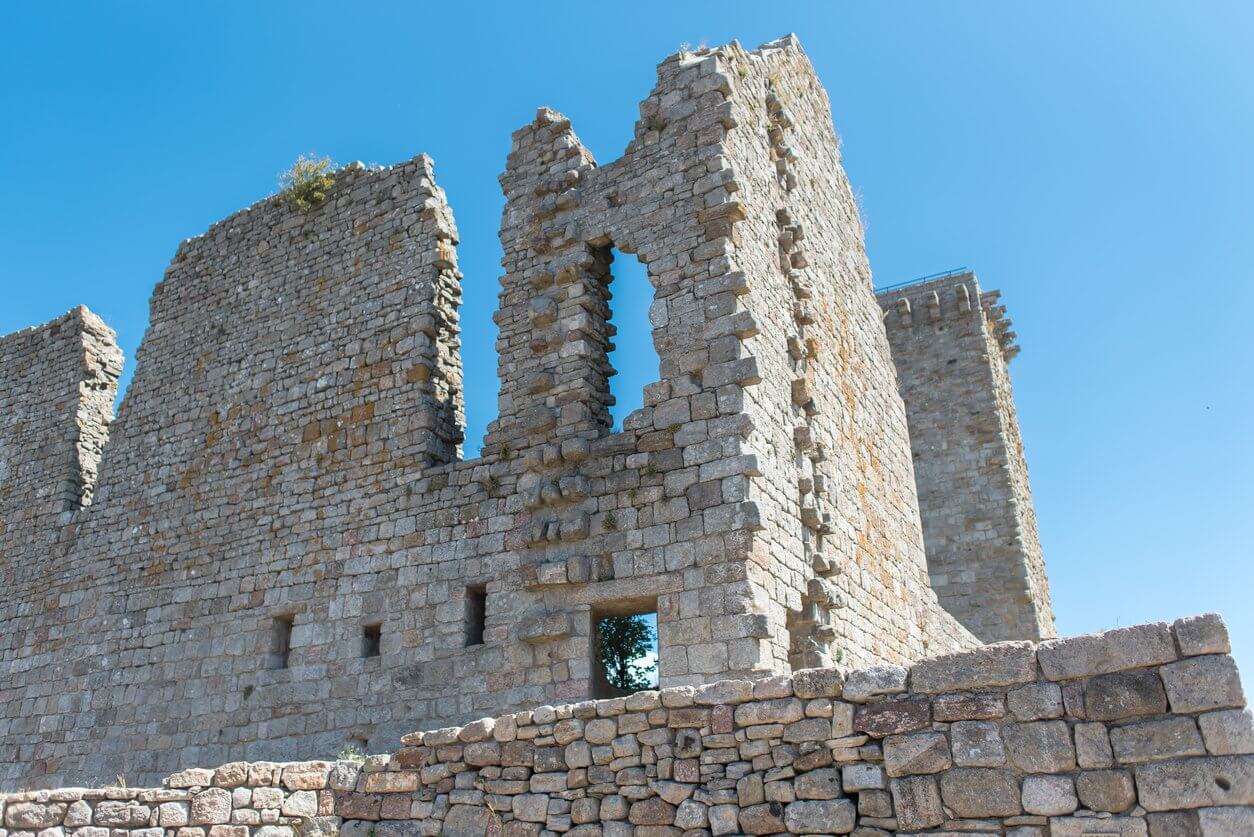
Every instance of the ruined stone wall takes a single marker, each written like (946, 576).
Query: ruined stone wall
(951, 344)
(57, 385)
(282, 495)
(1138, 732)
(300, 374)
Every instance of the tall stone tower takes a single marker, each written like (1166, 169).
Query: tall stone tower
(951, 343)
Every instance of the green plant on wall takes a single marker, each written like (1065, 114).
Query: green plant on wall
(307, 183)
(624, 643)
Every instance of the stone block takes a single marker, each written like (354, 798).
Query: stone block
(923, 752)
(1137, 646)
(1204, 634)
(209, 807)
(823, 783)
(1097, 827)
(817, 682)
(1156, 740)
(830, 816)
(979, 792)
(892, 717)
(875, 803)
(1130, 694)
(917, 802)
(1035, 701)
(1049, 796)
(999, 664)
(1196, 783)
(1229, 732)
(1105, 790)
(1200, 684)
(1226, 822)
(767, 818)
(864, 684)
(977, 744)
(1040, 746)
(861, 776)
(780, 711)
(969, 706)
(651, 811)
(1092, 746)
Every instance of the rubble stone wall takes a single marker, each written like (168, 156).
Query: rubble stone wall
(1139, 732)
(952, 344)
(57, 385)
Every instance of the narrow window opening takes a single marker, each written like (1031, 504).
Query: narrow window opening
(633, 358)
(280, 641)
(624, 644)
(371, 639)
(476, 614)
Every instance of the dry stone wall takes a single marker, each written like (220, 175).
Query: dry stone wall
(1139, 731)
(952, 344)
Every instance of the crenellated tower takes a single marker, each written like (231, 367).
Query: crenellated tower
(952, 344)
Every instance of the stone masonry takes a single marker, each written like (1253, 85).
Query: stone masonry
(1137, 732)
(952, 343)
(277, 549)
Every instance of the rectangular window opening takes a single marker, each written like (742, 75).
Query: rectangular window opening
(476, 614)
(371, 639)
(625, 654)
(280, 641)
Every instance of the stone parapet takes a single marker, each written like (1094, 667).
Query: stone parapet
(1138, 731)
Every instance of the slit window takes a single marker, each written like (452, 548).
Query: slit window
(280, 641)
(371, 640)
(633, 358)
(476, 615)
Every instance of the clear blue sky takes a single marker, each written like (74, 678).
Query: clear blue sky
(1093, 160)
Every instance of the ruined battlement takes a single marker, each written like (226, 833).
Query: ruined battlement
(285, 551)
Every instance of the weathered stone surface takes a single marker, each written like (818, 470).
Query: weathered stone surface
(33, 815)
(817, 682)
(1124, 648)
(833, 816)
(1196, 783)
(652, 811)
(209, 807)
(857, 777)
(469, 821)
(981, 792)
(892, 717)
(1095, 826)
(1040, 746)
(1049, 795)
(864, 684)
(1000, 664)
(923, 752)
(818, 784)
(1105, 790)
(1156, 740)
(1204, 634)
(977, 744)
(917, 802)
(767, 818)
(1130, 694)
(1092, 746)
(1199, 684)
(969, 706)
(1228, 733)
(1035, 701)
(781, 711)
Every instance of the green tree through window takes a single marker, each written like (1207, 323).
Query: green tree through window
(626, 646)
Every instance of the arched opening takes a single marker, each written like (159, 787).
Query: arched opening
(633, 358)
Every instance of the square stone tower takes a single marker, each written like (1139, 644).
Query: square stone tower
(952, 344)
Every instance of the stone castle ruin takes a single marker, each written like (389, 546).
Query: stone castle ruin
(276, 550)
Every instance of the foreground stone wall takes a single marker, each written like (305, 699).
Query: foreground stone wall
(1137, 731)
